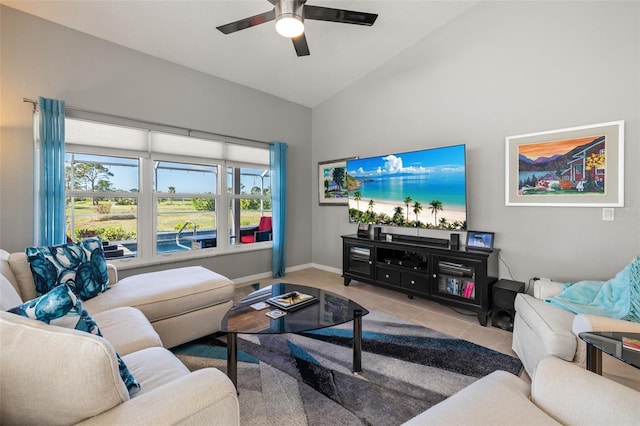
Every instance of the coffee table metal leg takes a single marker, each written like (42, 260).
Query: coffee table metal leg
(232, 358)
(357, 341)
(594, 359)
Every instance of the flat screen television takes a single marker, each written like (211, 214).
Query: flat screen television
(422, 189)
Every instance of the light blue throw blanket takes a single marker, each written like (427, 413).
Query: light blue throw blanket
(617, 298)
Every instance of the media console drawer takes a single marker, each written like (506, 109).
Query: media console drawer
(415, 282)
(388, 275)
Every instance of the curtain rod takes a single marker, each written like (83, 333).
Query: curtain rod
(153, 123)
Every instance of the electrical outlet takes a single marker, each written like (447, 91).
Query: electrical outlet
(608, 214)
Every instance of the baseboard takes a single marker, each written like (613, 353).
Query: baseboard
(251, 279)
(326, 268)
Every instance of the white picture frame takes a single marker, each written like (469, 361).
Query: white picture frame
(573, 167)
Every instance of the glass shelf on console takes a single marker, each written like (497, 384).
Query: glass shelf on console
(403, 258)
(456, 279)
(357, 260)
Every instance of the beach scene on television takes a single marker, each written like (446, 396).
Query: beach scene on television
(421, 189)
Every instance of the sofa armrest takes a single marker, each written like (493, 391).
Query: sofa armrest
(499, 398)
(113, 273)
(586, 323)
(206, 396)
(544, 288)
(575, 396)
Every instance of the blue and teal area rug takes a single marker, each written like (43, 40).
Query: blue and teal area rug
(307, 380)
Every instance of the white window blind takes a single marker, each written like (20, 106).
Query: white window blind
(91, 133)
(84, 133)
(247, 154)
(164, 143)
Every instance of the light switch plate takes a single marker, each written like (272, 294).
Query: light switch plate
(608, 215)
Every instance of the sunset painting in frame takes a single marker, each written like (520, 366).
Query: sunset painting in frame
(579, 166)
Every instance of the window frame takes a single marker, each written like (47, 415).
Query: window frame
(232, 196)
(147, 197)
(216, 196)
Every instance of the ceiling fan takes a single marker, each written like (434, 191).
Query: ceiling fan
(290, 15)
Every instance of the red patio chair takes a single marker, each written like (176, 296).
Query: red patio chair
(262, 234)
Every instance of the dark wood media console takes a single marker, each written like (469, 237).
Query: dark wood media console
(424, 267)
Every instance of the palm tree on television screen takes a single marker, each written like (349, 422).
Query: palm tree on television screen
(435, 207)
(417, 208)
(407, 201)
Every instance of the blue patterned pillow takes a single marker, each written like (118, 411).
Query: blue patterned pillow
(80, 265)
(62, 307)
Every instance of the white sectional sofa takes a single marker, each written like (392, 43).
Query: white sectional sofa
(59, 376)
(182, 304)
(51, 374)
(541, 329)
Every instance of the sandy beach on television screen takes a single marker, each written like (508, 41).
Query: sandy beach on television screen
(425, 216)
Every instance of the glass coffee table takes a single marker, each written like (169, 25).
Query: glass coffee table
(328, 309)
(610, 343)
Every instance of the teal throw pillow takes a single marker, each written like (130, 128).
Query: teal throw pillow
(81, 265)
(61, 307)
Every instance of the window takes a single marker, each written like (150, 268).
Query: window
(249, 199)
(186, 197)
(102, 197)
(153, 195)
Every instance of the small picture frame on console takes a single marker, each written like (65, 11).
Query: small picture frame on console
(480, 240)
(363, 230)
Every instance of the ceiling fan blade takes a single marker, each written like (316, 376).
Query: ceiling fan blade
(301, 46)
(339, 15)
(248, 22)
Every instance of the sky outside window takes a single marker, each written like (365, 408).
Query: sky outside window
(186, 178)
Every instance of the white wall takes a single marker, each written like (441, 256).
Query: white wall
(501, 69)
(40, 58)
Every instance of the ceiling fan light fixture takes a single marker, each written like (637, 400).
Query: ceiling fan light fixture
(289, 20)
(289, 26)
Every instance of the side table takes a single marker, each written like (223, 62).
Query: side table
(611, 344)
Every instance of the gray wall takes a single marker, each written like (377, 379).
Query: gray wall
(40, 58)
(501, 69)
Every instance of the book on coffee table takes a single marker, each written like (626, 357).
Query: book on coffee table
(292, 300)
(631, 343)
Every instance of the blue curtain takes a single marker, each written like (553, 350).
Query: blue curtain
(278, 165)
(50, 213)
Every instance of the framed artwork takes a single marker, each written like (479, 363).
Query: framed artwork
(332, 183)
(574, 167)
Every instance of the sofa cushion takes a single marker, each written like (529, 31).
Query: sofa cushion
(166, 294)
(61, 307)
(9, 297)
(127, 329)
(42, 386)
(6, 271)
(81, 265)
(20, 268)
(155, 367)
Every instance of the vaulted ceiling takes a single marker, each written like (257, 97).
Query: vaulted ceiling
(184, 32)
